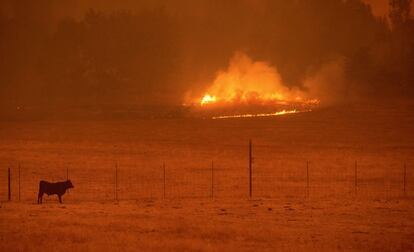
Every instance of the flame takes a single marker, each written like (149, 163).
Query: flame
(208, 99)
(249, 89)
(250, 82)
(278, 113)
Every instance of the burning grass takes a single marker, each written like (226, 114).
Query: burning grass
(250, 88)
(279, 113)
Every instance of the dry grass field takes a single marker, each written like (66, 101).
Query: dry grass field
(279, 216)
(209, 225)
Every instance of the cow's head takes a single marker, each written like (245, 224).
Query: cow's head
(69, 184)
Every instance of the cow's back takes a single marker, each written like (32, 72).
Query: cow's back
(43, 185)
(49, 188)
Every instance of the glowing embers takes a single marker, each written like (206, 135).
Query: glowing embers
(207, 99)
(279, 113)
(240, 97)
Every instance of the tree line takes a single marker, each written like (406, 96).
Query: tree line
(154, 55)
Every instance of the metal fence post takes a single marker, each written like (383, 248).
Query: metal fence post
(9, 178)
(212, 179)
(250, 168)
(356, 177)
(307, 179)
(19, 181)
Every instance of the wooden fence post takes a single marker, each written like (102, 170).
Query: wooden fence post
(9, 191)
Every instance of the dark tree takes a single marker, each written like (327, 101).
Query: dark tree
(402, 58)
(400, 13)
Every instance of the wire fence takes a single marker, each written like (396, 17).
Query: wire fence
(268, 177)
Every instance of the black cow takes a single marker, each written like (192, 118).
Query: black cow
(58, 188)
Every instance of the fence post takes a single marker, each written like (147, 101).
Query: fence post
(116, 181)
(250, 168)
(19, 181)
(67, 176)
(9, 194)
(356, 177)
(307, 179)
(164, 179)
(405, 179)
(212, 179)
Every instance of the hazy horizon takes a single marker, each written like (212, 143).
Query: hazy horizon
(106, 53)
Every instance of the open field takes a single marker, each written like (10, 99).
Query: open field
(205, 225)
(280, 216)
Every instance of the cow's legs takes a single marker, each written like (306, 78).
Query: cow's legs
(60, 198)
(39, 198)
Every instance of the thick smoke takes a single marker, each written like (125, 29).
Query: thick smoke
(328, 83)
(246, 81)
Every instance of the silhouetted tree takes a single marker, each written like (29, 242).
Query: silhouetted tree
(110, 58)
(399, 13)
(402, 44)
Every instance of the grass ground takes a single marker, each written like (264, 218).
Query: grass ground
(279, 217)
(209, 225)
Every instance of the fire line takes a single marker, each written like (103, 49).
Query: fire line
(279, 113)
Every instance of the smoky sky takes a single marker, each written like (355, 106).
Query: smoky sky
(76, 8)
(72, 53)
